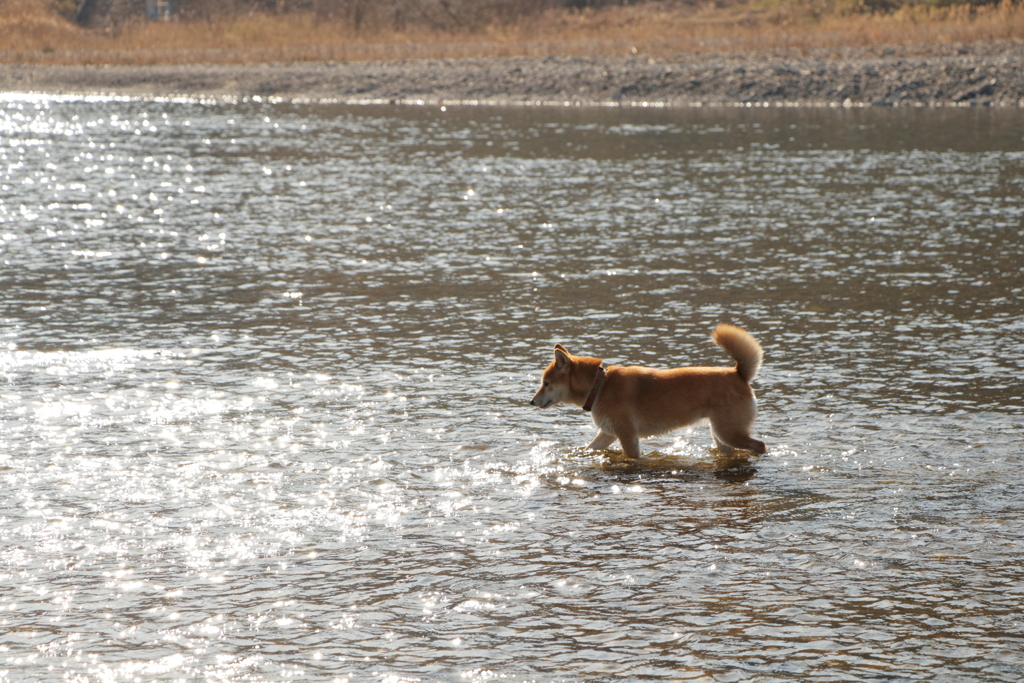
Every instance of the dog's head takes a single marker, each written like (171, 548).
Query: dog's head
(554, 383)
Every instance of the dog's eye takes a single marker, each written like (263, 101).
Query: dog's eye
(546, 383)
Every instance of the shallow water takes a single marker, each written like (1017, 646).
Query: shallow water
(265, 372)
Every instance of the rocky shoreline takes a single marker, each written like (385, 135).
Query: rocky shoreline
(978, 74)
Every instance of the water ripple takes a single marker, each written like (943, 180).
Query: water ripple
(265, 369)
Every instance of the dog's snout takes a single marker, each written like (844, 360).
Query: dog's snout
(533, 402)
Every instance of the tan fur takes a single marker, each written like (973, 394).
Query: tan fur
(636, 402)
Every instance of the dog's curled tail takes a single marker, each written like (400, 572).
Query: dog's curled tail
(742, 347)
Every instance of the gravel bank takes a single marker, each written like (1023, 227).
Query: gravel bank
(931, 75)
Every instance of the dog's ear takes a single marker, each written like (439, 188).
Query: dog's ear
(563, 359)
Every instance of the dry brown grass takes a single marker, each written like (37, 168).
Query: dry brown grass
(31, 31)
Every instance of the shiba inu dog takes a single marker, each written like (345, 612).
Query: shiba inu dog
(630, 403)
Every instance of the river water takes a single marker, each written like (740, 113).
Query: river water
(266, 370)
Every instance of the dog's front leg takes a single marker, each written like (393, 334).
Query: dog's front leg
(630, 445)
(602, 441)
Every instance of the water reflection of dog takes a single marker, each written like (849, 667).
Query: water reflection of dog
(734, 467)
(631, 403)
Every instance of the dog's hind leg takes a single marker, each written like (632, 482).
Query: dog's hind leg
(723, 448)
(602, 441)
(728, 438)
(731, 428)
(756, 446)
(630, 443)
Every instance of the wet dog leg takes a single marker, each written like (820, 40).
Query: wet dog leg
(602, 441)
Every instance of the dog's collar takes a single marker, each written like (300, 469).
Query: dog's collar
(598, 381)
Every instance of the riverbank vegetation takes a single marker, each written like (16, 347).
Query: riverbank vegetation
(235, 31)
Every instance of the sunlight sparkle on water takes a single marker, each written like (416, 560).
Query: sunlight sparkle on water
(266, 371)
